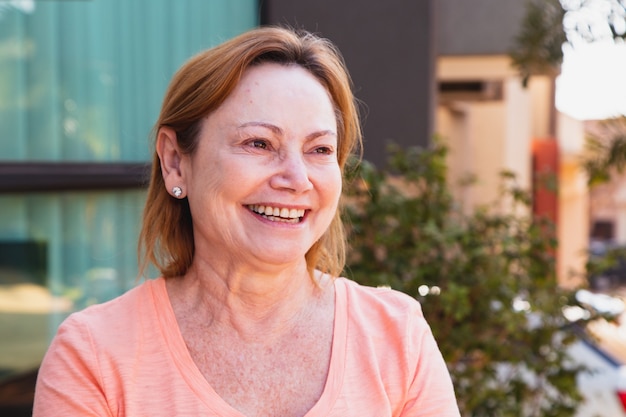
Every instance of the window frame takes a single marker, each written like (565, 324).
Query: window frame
(65, 176)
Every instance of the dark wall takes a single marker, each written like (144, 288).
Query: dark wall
(389, 50)
(477, 27)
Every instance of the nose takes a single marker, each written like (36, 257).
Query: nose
(292, 174)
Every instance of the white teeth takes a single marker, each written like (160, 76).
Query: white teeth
(277, 213)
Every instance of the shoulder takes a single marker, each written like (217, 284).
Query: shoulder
(381, 312)
(390, 340)
(113, 317)
(378, 300)
(95, 349)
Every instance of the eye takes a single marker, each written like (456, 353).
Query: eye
(324, 150)
(259, 144)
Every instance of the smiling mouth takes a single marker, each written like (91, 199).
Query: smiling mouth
(276, 214)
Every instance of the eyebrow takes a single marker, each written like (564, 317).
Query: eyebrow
(277, 130)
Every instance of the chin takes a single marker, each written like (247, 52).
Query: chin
(287, 257)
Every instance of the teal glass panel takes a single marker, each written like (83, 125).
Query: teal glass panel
(83, 80)
(60, 253)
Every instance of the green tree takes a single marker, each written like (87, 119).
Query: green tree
(486, 282)
(548, 24)
(538, 46)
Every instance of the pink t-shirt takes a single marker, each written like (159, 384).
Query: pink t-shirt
(127, 357)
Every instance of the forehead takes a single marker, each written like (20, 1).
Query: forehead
(273, 90)
(290, 77)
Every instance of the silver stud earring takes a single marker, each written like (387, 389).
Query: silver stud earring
(177, 191)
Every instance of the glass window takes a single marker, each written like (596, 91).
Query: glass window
(60, 253)
(83, 80)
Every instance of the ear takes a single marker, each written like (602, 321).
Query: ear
(171, 158)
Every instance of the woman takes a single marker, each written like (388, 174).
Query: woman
(242, 221)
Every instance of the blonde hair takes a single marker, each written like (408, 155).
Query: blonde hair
(198, 88)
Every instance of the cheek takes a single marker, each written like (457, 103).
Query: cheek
(206, 187)
(216, 175)
(330, 186)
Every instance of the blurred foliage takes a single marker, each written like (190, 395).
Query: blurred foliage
(605, 150)
(538, 46)
(611, 258)
(486, 281)
(548, 24)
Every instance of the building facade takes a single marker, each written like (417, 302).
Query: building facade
(493, 123)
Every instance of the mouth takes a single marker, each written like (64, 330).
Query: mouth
(277, 214)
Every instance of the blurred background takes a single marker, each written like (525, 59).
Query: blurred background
(533, 88)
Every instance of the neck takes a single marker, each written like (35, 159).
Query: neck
(254, 304)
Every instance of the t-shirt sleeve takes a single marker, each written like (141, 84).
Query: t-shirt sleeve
(69, 382)
(431, 393)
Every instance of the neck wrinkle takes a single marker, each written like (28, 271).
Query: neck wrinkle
(257, 306)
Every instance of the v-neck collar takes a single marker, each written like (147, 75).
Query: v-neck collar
(199, 385)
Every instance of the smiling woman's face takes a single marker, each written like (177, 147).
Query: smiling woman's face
(264, 183)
